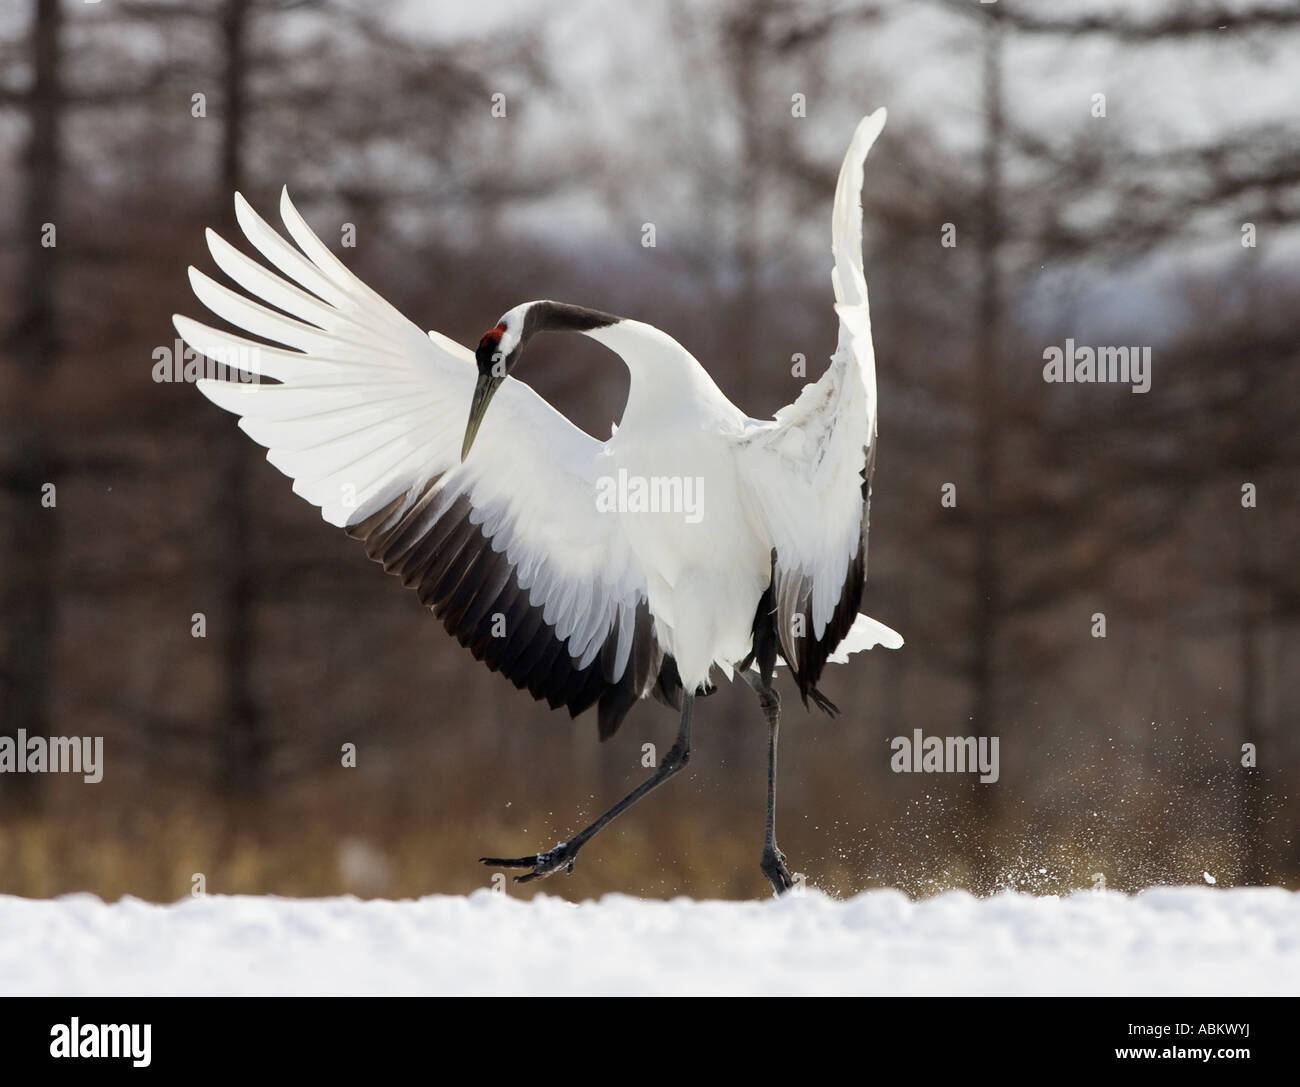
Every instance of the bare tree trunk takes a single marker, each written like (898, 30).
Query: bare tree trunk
(34, 339)
(746, 32)
(986, 627)
(243, 743)
(1251, 679)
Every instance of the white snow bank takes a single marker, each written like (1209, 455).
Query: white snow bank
(1183, 940)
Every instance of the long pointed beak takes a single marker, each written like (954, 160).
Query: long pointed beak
(484, 390)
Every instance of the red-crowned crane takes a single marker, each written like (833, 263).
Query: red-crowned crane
(695, 541)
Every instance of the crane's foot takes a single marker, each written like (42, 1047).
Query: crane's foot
(542, 864)
(778, 875)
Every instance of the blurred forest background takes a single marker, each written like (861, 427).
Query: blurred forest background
(1165, 213)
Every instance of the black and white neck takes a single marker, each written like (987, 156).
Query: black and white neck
(661, 369)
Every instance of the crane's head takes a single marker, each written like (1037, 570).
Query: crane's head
(498, 351)
(501, 346)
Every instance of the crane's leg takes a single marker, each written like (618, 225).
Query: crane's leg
(550, 862)
(773, 862)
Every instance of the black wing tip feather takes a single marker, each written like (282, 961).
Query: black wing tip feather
(807, 655)
(823, 703)
(434, 547)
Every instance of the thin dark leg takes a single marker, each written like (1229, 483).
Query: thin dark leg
(550, 862)
(773, 861)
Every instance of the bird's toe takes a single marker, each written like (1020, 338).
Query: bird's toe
(542, 864)
(774, 868)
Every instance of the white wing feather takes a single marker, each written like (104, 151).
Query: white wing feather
(866, 633)
(807, 465)
(368, 408)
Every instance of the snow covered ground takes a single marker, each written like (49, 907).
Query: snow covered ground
(1178, 940)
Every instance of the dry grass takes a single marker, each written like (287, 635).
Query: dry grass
(316, 839)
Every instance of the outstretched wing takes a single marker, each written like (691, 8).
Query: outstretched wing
(811, 467)
(367, 415)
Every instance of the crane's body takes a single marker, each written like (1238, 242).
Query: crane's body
(704, 558)
(693, 543)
